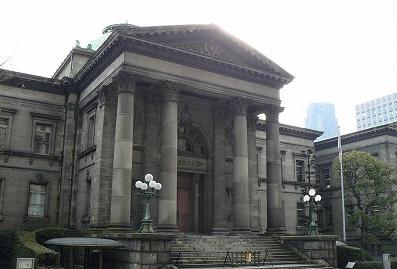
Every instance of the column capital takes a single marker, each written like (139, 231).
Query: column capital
(170, 91)
(126, 82)
(239, 106)
(251, 121)
(272, 109)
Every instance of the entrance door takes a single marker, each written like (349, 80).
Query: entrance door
(185, 202)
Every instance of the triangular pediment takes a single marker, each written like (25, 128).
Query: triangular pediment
(213, 42)
(211, 48)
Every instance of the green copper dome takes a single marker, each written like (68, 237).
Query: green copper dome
(97, 42)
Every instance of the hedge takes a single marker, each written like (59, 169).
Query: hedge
(45, 234)
(368, 265)
(7, 240)
(347, 254)
(27, 247)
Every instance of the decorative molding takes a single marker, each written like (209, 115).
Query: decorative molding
(239, 106)
(251, 122)
(170, 91)
(126, 82)
(229, 134)
(8, 110)
(185, 114)
(45, 116)
(210, 48)
(121, 42)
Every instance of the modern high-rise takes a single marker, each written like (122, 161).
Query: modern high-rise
(377, 112)
(321, 117)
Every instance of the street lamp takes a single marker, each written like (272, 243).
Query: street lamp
(312, 199)
(147, 189)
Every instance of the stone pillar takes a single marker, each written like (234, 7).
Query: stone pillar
(168, 160)
(68, 160)
(220, 218)
(274, 199)
(152, 143)
(253, 174)
(240, 167)
(123, 149)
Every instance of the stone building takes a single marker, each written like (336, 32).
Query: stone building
(179, 102)
(380, 141)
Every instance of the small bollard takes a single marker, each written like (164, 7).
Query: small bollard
(386, 261)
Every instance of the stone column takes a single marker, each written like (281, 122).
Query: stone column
(274, 204)
(220, 219)
(68, 160)
(253, 174)
(152, 143)
(240, 166)
(168, 160)
(123, 149)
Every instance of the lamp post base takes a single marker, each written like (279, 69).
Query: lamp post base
(313, 230)
(146, 226)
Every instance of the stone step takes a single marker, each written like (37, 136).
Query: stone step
(205, 251)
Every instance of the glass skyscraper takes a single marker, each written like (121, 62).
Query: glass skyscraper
(377, 112)
(321, 117)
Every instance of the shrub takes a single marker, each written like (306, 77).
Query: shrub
(48, 233)
(32, 224)
(7, 240)
(27, 247)
(347, 254)
(368, 265)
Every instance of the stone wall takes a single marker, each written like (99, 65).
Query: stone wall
(142, 251)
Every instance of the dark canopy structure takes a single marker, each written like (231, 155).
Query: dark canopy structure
(89, 244)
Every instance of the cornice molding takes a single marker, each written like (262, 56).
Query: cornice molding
(290, 130)
(388, 129)
(118, 43)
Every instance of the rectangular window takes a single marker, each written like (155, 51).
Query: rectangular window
(42, 138)
(4, 125)
(300, 214)
(37, 200)
(91, 131)
(300, 170)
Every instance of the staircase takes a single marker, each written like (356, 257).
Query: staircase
(211, 251)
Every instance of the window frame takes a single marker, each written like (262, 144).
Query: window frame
(46, 184)
(90, 141)
(47, 120)
(303, 170)
(8, 114)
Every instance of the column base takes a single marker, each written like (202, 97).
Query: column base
(167, 229)
(236, 231)
(119, 229)
(220, 231)
(276, 231)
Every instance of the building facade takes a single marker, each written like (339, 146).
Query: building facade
(377, 112)
(179, 102)
(321, 117)
(379, 141)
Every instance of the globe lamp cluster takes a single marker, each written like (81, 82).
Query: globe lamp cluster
(148, 183)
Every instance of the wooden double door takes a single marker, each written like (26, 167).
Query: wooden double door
(190, 195)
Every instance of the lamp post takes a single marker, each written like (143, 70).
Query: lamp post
(313, 202)
(147, 189)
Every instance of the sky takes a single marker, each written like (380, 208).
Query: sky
(339, 51)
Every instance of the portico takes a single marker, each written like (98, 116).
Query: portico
(192, 125)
